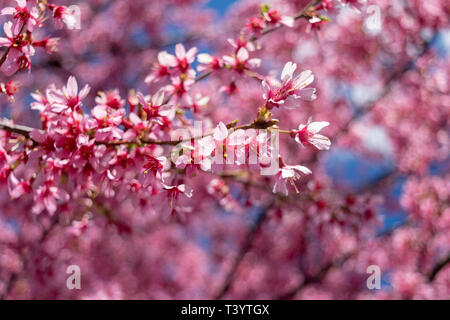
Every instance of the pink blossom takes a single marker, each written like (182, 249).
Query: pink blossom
(273, 17)
(20, 50)
(68, 97)
(289, 89)
(184, 59)
(18, 188)
(197, 103)
(152, 169)
(46, 198)
(288, 174)
(241, 61)
(65, 16)
(26, 13)
(208, 62)
(308, 134)
(110, 99)
(162, 68)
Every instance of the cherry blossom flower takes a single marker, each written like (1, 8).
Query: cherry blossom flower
(315, 24)
(162, 68)
(68, 16)
(241, 42)
(68, 97)
(173, 192)
(273, 17)
(184, 59)
(20, 50)
(308, 134)
(250, 146)
(198, 157)
(26, 13)
(46, 198)
(326, 5)
(152, 168)
(287, 174)
(289, 89)
(18, 188)
(154, 108)
(196, 103)
(10, 88)
(49, 44)
(208, 62)
(241, 62)
(94, 179)
(256, 25)
(110, 99)
(5, 158)
(180, 86)
(79, 226)
(181, 61)
(231, 88)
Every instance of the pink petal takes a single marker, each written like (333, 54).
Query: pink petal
(220, 132)
(180, 52)
(71, 89)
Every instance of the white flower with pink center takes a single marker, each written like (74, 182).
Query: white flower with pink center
(309, 134)
(290, 88)
(288, 174)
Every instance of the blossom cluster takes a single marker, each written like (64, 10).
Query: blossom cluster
(25, 18)
(170, 153)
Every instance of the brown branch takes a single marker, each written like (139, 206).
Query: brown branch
(438, 268)
(25, 131)
(44, 236)
(5, 54)
(16, 128)
(256, 226)
(316, 277)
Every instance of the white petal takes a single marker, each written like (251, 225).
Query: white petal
(315, 127)
(320, 142)
(302, 169)
(204, 58)
(236, 138)
(303, 79)
(307, 94)
(242, 54)
(288, 71)
(180, 51)
(220, 132)
(287, 172)
(287, 21)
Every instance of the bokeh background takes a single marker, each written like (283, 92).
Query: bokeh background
(378, 197)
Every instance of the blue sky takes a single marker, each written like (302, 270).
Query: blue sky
(220, 5)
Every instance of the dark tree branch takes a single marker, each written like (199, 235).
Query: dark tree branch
(44, 236)
(438, 268)
(256, 226)
(317, 277)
